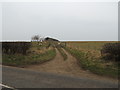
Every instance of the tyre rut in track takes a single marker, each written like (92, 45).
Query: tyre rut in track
(67, 67)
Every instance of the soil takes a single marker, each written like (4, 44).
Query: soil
(67, 67)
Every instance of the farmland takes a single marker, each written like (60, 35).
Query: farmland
(87, 45)
(87, 54)
(89, 57)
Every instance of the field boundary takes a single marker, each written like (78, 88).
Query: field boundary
(93, 67)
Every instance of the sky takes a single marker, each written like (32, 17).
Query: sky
(66, 21)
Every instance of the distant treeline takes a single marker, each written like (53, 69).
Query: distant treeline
(15, 47)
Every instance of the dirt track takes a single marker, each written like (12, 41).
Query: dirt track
(67, 67)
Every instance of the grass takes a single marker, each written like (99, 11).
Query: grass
(34, 56)
(89, 45)
(62, 53)
(92, 61)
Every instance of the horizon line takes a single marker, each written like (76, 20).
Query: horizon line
(59, 40)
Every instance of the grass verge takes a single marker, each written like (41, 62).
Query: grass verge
(62, 53)
(95, 66)
(24, 60)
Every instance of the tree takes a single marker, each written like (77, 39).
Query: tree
(35, 38)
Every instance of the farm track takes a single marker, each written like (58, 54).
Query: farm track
(67, 67)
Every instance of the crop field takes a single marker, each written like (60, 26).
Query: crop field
(88, 45)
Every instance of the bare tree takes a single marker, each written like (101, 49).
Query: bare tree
(35, 38)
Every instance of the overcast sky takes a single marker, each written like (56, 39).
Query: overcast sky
(61, 20)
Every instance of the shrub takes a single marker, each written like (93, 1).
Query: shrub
(111, 51)
(20, 60)
(15, 47)
(92, 65)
